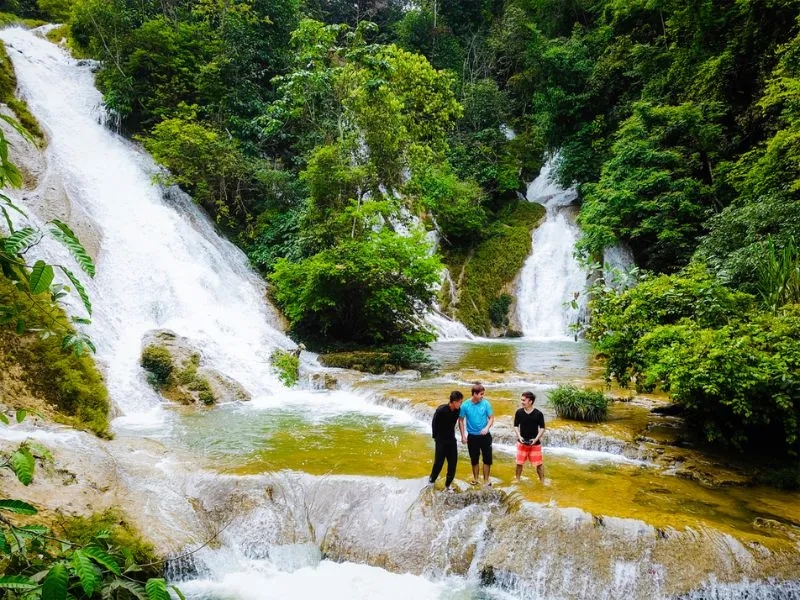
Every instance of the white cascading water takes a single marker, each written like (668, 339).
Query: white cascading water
(162, 265)
(551, 276)
(445, 328)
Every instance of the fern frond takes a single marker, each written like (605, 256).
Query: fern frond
(66, 236)
(20, 240)
(79, 287)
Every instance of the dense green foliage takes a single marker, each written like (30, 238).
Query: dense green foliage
(318, 132)
(571, 402)
(99, 555)
(732, 366)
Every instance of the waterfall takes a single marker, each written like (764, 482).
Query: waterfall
(551, 276)
(161, 263)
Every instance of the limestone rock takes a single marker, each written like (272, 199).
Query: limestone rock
(188, 380)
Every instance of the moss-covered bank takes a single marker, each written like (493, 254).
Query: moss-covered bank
(38, 374)
(484, 274)
(8, 87)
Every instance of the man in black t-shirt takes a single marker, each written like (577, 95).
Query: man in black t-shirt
(443, 430)
(529, 427)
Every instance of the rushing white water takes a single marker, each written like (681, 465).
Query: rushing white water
(551, 277)
(162, 265)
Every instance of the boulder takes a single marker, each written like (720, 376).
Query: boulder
(176, 370)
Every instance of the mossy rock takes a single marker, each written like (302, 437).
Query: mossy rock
(175, 370)
(484, 274)
(369, 362)
(157, 361)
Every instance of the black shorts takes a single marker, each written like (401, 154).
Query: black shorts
(480, 445)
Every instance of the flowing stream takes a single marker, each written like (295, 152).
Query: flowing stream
(551, 278)
(322, 492)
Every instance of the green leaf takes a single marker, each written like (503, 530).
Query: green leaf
(18, 127)
(20, 240)
(33, 529)
(64, 234)
(17, 582)
(81, 290)
(41, 277)
(7, 217)
(131, 586)
(178, 592)
(4, 418)
(7, 201)
(4, 547)
(157, 589)
(21, 414)
(55, 584)
(17, 506)
(85, 571)
(23, 463)
(102, 558)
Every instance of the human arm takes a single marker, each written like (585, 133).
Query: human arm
(539, 435)
(434, 424)
(517, 426)
(486, 429)
(461, 429)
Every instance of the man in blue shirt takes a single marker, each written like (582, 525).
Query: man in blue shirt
(479, 418)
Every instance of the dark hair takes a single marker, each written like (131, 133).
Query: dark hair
(455, 396)
(477, 388)
(530, 396)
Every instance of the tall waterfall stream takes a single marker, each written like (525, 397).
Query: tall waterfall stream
(310, 492)
(551, 278)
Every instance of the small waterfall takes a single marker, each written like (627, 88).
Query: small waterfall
(444, 327)
(551, 277)
(161, 263)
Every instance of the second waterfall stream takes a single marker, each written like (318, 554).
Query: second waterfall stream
(551, 278)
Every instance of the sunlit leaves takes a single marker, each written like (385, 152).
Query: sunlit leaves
(157, 589)
(17, 506)
(20, 240)
(23, 464)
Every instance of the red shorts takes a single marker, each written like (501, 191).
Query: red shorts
(531, 453)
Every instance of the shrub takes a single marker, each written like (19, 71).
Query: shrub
(158, 362)
(364, 292)
(498, 310)
(621, 318)
(411, 357)
(287, 366)
(455, 204)
(574, 403)
(738, 383)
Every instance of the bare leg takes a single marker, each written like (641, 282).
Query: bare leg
(540, 472)
(475, 473)
(519, 471)
(486, 470)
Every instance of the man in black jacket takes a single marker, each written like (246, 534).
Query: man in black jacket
(443, 430)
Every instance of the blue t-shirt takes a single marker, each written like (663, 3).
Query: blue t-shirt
(476, 415)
